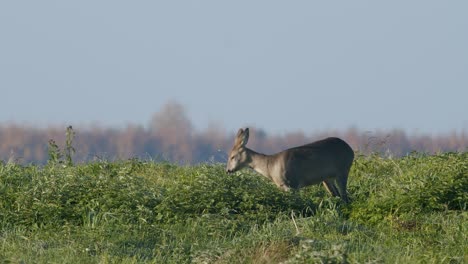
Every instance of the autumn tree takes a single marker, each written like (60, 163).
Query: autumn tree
(174, 130)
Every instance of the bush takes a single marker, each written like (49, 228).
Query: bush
(207, 190)
(410, 185)
(148, 192)
(71, 195)
(402, 210)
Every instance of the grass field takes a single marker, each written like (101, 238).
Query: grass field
(404, 210)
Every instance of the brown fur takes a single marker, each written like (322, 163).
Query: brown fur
(328, 161)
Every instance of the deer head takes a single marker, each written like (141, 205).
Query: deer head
(238, 157)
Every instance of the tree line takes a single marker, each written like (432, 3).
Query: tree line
(170, 136)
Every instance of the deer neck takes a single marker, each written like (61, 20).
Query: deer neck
(259, 162)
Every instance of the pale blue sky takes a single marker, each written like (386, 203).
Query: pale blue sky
(278, 65)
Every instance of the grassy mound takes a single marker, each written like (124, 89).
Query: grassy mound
(407, 209)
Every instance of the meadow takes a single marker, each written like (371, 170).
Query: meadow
(404, 210)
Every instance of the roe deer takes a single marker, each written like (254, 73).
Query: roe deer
(327, 161)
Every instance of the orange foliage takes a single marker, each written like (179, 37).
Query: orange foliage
(171, 137)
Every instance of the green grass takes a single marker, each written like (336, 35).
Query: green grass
(405, 210)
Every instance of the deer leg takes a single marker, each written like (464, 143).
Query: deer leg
(331, 188)
(341, 181)
(285, 188)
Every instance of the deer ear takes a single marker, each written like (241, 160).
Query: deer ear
(245, 136)
(239, 133)
(242, 137)
(239, 137)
